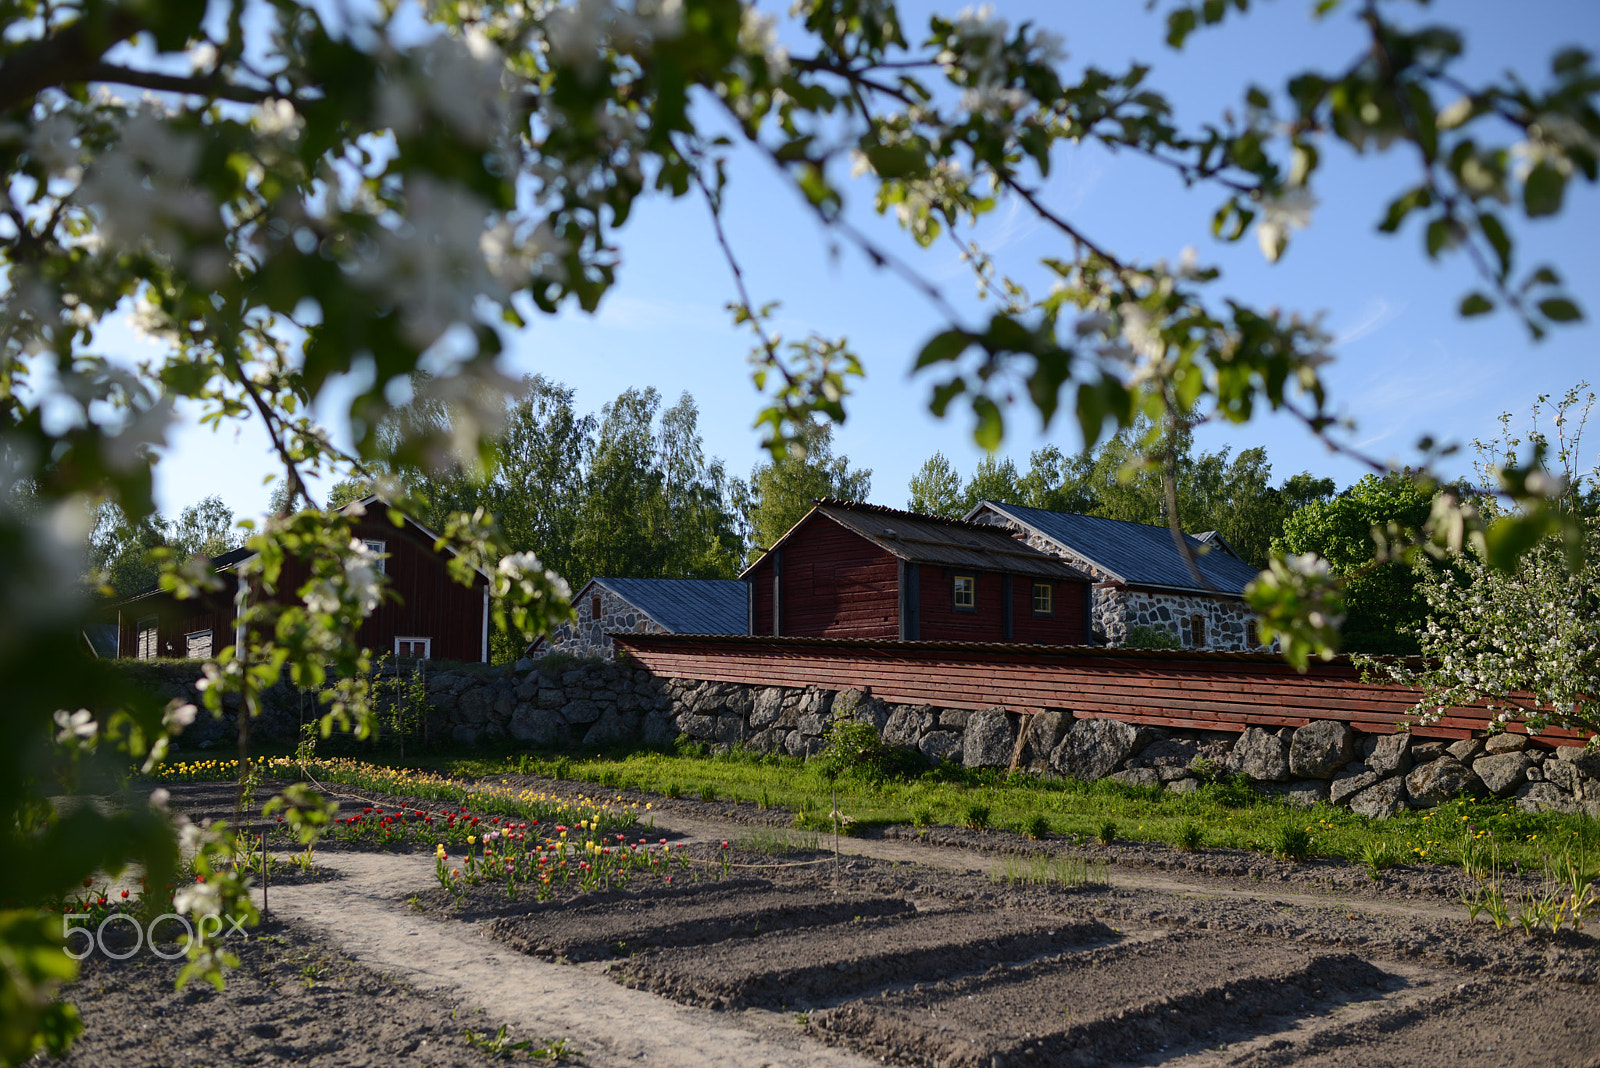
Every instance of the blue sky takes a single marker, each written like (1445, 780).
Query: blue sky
(1406, 365)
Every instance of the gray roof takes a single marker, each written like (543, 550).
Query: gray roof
(930, 539)
(688, 606)
(102, 639)
(1136, 554)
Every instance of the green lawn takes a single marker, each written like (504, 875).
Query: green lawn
(1223, 814)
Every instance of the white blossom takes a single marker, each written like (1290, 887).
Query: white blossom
(1279, 214)
(177, 716)
(76, 727)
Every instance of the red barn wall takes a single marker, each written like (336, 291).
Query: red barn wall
(761, 578)
(1066, 626)
(941, 621)
(427, 603)
(836, 584)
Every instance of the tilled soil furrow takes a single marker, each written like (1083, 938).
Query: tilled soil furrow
(803, 969)
(1109, 1005)
(1537, 1025)
(674, 917)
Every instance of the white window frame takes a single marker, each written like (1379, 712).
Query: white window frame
(382, 549)
(427, 647)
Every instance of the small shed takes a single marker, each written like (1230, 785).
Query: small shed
(851, 570)
(608, 606)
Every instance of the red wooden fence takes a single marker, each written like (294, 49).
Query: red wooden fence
(1206, 691)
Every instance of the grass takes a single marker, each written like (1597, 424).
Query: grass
(1233, 815)
(1068, 872)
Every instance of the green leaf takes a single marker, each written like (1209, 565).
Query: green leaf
(896, 161)
(1476, 304)
(1506, 540)
(990, 428)
(1180, 24)
(1541, 194)
(943, 347)
(1560, 310)
(1496, 235)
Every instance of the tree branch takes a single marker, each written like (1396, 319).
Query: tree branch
(211, 87)
(64, 58)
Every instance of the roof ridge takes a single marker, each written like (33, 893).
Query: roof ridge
(883, 509)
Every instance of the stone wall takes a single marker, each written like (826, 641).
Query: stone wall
(546, 706)
(1228, 623)
(585, 637)
(1323, 761)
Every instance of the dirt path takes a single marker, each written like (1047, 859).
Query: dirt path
(609, 1023)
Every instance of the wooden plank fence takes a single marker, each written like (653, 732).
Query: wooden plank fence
(1197, 690)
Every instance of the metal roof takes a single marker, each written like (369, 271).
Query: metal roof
(1136, 554)
(929, 539)
(693, 606)
(890, 648)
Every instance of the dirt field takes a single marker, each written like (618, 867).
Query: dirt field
(907, 953)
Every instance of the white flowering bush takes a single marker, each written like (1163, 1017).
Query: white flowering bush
(1526, 643)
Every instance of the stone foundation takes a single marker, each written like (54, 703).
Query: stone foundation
(599, 704)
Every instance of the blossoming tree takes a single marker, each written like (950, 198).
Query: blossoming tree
(1524, 641)
(287, 191)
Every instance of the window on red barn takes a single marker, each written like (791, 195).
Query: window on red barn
(966, 591)
(379, 548)
(413, 648)
(1044, 603)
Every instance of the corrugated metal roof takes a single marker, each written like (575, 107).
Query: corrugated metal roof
(889, 648)
(929, 539)
(1137, 554)
(688, 606)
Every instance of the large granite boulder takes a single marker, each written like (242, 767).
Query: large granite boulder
(1345, 787)
(907, 724)
(1093, 748)
(1319, 749)
(1382, 800)
(536, 726)
(766, 708)
(1501, 773)
(939, 746)
(612, 728)
(1302, 792)
(1167, 753)
(1587, 761)
(860, 706)
(1136, 777)
(1440, 780)
(1391, 756)
(1261, 755)
(988, 740)
(1546, 796)
(1045, 730)
(1506, 743)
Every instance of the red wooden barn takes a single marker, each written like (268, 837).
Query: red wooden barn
(864, 571)
(432, 615)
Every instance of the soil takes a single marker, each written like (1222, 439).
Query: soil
(909, 949)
